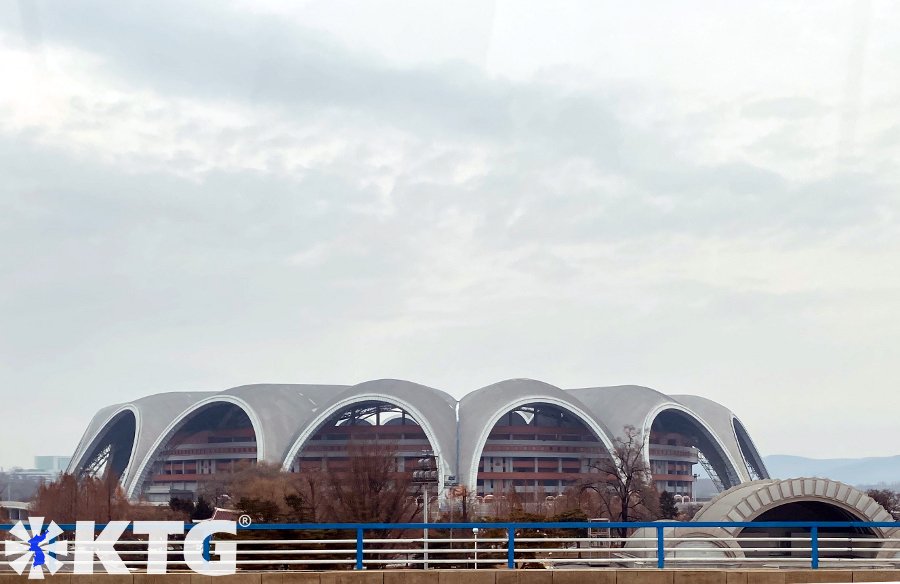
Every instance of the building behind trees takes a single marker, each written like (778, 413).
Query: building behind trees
(520, 438)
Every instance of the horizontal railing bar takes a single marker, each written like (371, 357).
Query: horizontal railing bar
(579, 540)
(439, 551)
(498, 560)
(183, 562)
(195, 547)
(289, 541)
(779, 560)
(502, 540)
(436, 561)
(523, 549)
(432, 551)
(444, 540)
(860, 541)
(737, 560)
(303, 551)
(314, 561)
(573, 550)
(530, 525)
(603, 561)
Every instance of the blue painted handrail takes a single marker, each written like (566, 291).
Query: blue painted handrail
(512, 527)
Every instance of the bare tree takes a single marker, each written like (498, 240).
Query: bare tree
(364, 486)
(370, 488)
(460, 503)
(888, 499)
(262, 490)
(70, 499)
(624, 482)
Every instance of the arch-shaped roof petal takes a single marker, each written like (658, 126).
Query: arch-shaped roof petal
(480, 410)
(721, 420)
(432, 409)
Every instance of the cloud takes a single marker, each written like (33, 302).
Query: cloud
(784, 107)
(198, 197)
(210, 52)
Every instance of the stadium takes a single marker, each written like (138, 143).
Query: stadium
(517, 434)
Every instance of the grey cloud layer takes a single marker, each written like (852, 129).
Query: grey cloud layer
(215, 55)
(433, 223)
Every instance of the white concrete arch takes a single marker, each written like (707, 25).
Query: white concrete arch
(696, 418)
(585, 417)
(713, 543)
(78, 462)
(181, 419)
(313, 427)
(748, 501)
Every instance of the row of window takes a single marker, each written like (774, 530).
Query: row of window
(544, 437)
(554, 450)
(201, 451)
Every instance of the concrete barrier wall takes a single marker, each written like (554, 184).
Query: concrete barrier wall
(491, 577)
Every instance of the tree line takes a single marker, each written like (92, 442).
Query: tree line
(368, 488)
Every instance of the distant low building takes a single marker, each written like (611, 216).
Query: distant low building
(15, 510)
(55, 464)
(19, 484)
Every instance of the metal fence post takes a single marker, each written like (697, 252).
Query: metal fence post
(425, 532)
(660, 549)
(359, 548)
(511, 548)
(814, 539)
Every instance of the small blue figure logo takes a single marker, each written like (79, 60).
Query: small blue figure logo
(34, 545)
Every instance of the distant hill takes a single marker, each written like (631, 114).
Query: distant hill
(853, 471)
(704, 489)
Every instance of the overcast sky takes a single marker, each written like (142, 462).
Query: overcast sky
(699, 197)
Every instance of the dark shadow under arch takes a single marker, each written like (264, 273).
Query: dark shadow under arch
(111, 451)
(713, 455)
(209, 440)
(752, 459)
(807, 511)
(368, 421)
(536, 450)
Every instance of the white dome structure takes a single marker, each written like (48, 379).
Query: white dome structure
(517, 434)
(849, 512)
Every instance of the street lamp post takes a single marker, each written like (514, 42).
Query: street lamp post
(427, 475)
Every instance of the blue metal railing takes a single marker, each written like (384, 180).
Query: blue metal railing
(511, 529)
